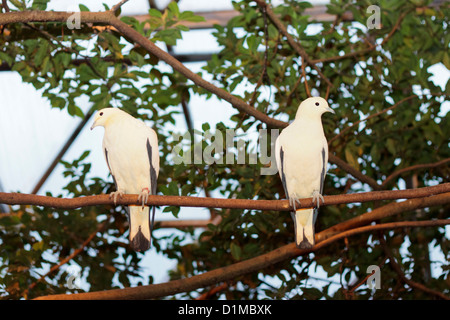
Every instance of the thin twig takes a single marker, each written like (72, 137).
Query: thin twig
(294, 44)
(340, 134)
(401, 274)
(327, 93)
(363, 281)
(118, 5)
(5, 5)
(344, 56)
(308, 93)
(213, 291)
(370, 48)
(414, 167)
(396, 26)
(76, 252)
(353, 171)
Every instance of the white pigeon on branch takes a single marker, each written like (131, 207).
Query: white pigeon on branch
(301, 153)
(131, 152)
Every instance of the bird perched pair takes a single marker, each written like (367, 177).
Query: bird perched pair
(132, 155)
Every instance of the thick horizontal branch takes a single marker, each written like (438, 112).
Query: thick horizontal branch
(323, 238)
(185, 201)
(235, 270)
(389, 210)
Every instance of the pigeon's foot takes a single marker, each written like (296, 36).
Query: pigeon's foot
(316, 197)
(116, 194)
(144, 196)
(293, 201)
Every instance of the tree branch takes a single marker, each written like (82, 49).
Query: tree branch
(351, 292)
(371, 46)
(100, 228)
(401, 274)
(354, 172)
(396, 26)
(389, 210)
(237, 102)
(344, 56)
(294, 44)
(289, 251)
(117, 6)
(109, 18)
(235, 270)
(213, 291)
(414, 167)
(5, 5)
(371, 116)
(308, 93)
(205, 202)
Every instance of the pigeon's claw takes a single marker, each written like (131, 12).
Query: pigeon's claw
(143, 196)
(293, 201)
(316, 197)
(116, 194)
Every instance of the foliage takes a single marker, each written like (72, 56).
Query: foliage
(257, 64)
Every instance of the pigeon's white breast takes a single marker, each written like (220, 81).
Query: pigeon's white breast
(302, 144)
(126, 144)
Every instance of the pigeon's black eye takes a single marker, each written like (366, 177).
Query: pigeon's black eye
(317, 104)
(101, 113)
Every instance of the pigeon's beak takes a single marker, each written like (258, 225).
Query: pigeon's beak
(93, 125)
(331, 110)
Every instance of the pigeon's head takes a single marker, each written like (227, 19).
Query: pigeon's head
(104, 116)
(313, 107)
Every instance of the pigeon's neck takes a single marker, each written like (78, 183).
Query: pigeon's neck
(112, 121)
(311, 124)
(309, 116)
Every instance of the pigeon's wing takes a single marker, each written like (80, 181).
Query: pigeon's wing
(153, 158)
(154, 165)
(109, 167)
(280, 159)
(324, 154)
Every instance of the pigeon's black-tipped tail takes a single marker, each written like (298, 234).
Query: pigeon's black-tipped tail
(304, 228)
(140, 235)
(140, 242)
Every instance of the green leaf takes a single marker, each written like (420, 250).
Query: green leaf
(205, 126)
(155, 13)
(390, 145)
(191, 17)
(83, 8)
(41, 53)
(174, 210)
(173, 8)
(84, 155)
(40, 4)
(236, 251)
(38, 246)
(18, 4)
(446, 60)
(351, 158)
